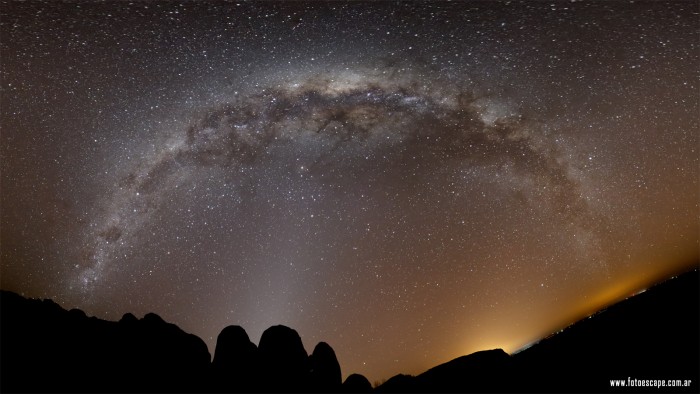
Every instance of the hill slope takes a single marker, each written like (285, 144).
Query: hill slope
(651, 336)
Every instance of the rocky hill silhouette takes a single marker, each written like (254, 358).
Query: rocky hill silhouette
(45, 348)
(236, 361)
(48, 349)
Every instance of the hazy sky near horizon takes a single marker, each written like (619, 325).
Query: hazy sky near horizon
(409, 182)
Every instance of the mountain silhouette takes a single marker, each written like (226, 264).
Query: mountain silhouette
(47, 349)
(284, 362)
(236, 361)
(325, 370)
(356, 383)
(646, 339)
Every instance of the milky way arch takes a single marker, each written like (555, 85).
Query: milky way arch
(399, 119)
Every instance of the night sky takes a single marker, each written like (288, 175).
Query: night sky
(409, 182)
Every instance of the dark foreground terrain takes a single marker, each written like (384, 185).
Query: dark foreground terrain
(651, 338)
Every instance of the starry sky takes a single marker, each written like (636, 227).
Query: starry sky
(409, 182)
